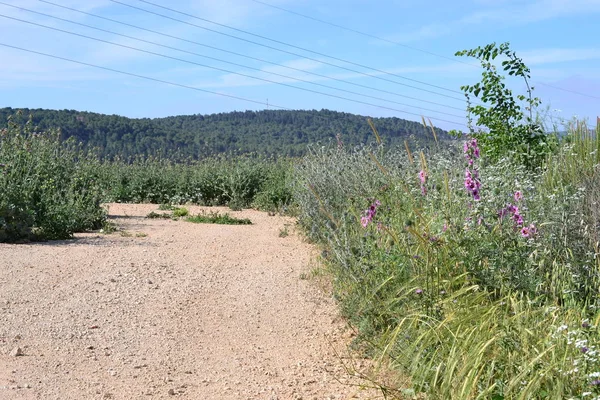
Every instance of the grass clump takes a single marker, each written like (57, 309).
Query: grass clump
(216, 218)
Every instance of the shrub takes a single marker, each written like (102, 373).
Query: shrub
(50, 189)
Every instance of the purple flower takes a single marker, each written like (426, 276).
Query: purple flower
(419, 291)
(525, 232)
(595, 382)
(370, 213)
(584, 349)
(585, 324)
(423, 176)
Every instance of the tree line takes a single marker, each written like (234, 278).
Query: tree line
(267, 132)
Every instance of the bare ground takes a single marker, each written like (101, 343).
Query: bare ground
(192, 311)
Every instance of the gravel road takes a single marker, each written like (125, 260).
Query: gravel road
(170, 309)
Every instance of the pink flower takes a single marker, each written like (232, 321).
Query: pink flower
(364, 221)
(525, 232)
(518, 196)
(423, 176)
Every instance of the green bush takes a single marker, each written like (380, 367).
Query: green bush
(237, 182)
(50, 189)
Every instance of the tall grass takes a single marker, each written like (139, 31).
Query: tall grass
(476, 280)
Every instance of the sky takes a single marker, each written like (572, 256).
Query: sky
(386, 58)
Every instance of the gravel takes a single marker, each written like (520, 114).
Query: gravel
(188, 311)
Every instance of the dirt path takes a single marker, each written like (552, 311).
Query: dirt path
(190, 311)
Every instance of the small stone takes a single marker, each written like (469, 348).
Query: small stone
(171, 392)
(17, 352)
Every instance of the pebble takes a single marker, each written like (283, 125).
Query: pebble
(17, 352)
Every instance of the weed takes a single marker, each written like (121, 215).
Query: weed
(180, 212)
(155, 215)
(284, 232)
(216, 218)
(109, 227)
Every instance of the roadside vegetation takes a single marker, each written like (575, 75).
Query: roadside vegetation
(471, 267)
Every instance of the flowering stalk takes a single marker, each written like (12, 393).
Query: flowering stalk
(472, 182)
(513, 210)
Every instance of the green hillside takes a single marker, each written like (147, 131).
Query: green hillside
(269, 132)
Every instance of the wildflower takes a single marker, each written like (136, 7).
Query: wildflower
(423, 176)
(525, 232)
(584, 349)
(518, 196)
(370, 213)
(518, 220)
(595, 382)
(472, 184)
(419, 291)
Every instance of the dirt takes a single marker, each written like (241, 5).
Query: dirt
(171, 309)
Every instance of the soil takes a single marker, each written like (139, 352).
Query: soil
(171, 309)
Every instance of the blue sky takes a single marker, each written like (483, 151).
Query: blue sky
(558, 40)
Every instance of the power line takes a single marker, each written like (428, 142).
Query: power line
(294, 46)
(231, 63)
(568, 90)
(292, 53)
(361, 33)
(398, 43)
(224, 70)
(142, 76)
(229, 52)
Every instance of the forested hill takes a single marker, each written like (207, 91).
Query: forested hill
(270, 132)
